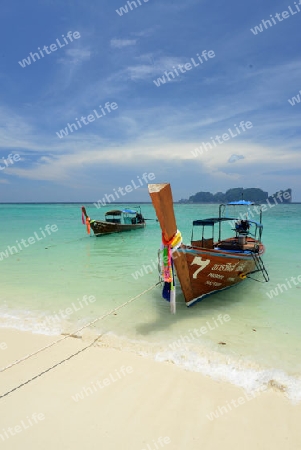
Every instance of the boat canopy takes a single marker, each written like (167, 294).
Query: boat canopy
(211, 221)
(117, 212)
(114, 212)
(129, 211)
(241, 202)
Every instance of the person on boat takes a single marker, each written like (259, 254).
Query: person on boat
(245, 225)
(237, 225)
(139, 218)
(242, 226)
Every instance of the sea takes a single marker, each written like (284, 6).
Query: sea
(55, 279)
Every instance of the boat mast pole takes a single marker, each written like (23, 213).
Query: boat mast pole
(220, 223)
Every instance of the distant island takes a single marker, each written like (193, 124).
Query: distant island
(252, 194)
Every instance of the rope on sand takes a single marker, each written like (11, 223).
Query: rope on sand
(74, 354)
(48, 370)
(18, 361)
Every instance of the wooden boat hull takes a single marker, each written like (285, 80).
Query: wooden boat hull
(204, 269)
(209, 271)
(100, 227)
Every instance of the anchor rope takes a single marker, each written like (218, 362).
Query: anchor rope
(18, 361)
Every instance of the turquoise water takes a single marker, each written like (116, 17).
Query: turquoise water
(44, 284)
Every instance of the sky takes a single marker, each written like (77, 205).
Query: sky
(174, 75)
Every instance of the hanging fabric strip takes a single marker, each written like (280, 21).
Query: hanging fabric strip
(169, 289)
(88, 224)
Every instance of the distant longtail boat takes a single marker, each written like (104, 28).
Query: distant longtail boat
(115, 221)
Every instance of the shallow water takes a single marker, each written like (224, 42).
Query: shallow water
(45, 283)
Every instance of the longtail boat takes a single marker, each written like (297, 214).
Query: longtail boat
(115, 221)
(209, 264)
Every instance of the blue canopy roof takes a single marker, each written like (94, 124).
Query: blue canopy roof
(213, 220)
(129, 211)
(241, 202)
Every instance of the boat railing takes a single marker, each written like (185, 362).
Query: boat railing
(112, 220)
(243, 240)
(239, 243)
(127, 220)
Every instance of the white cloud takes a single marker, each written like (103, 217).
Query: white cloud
(234, 158)
(120, 43)
(215, 162)
(75, 56)
(144, 33)
(150, 68)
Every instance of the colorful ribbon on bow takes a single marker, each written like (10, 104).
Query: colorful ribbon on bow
(86, 219)
(169, 289)
(88, 225)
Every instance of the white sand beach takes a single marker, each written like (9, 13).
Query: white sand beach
(108, 399)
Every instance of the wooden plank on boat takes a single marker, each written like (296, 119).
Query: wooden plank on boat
(163, 203)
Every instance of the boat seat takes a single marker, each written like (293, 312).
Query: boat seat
(113, 220)
(235, 245)
(249, 246)
(244, 233)
(230, 245)
(196, 243)
(204, 243)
